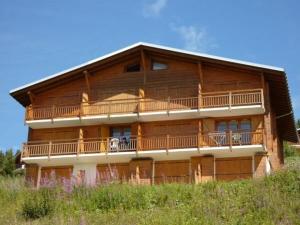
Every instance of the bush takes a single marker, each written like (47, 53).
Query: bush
(289, 151)
(38, 204)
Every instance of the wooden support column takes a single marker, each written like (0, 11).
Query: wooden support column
(199, 134)
(267, 121)
(81, 141)
(153, 172)
(87, 82)
(141, 104)
(139, 138)
(200, 84)
(142, 89)
(31, 97)
(86, 94)
(263, 86)
(38, 180)
(137, 174)
(144, 65)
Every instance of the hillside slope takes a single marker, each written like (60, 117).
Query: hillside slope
(271, 200)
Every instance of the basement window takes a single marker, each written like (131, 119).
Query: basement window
(136, 67)
(159, 66)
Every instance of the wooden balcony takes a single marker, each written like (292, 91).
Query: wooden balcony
(141, 144)
(139, 106)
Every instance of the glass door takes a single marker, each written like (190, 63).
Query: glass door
(120, 138)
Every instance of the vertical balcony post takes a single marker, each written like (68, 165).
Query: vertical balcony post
(50, 149)
(81, 110)
(199, 101)
(230, 100)
(107, 145)
(168, 109)
(199, 141)
(53, 112)
(138, 107)
(109, 109)
(78, 147)
(230, 140)
(138, 144)
(168, 143)
(262, 98)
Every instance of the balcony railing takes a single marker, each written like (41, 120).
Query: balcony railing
(141, 143)
(205, 100)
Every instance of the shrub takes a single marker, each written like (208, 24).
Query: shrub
(289, 151)
(38, 204)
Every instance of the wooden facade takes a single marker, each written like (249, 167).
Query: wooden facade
(130, 84)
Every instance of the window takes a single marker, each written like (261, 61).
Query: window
(222, 126)
(121, 132)
(234, 125)
(136, 67)
(241, 132)
(159, 66)
(120, 138)
(245, 125)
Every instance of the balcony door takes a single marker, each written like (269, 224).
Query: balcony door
(120, 138)
(120, 132)
(241, 132)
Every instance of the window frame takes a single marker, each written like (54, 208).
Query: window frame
(160, 62)
(227, 121)
(134, 63)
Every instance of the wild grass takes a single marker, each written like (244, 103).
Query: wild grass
(271, 200)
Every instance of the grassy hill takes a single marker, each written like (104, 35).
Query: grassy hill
(271, 200)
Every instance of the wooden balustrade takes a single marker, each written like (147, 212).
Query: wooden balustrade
(163, 142)
(205, 100)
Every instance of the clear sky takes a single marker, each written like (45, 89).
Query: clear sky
(39, 38)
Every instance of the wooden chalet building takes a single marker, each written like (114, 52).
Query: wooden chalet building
(151, 114)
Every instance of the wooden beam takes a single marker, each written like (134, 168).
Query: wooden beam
(87, 75)
(144, 65)
(31, 96)
(200, 84)
(200, 72)
(263, 86)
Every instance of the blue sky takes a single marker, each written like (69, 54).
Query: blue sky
(39, 38)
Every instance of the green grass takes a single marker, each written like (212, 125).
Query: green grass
(271, 200)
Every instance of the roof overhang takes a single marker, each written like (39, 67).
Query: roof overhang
(280, 97)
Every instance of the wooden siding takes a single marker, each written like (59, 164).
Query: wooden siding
(217, 78)
(31, 174)
(202, 169)
(59, 174)
(233, 168)
(113, 172)
(171, 171)
(170, 127)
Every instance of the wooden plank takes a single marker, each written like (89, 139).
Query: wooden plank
(144, 65)
(31, 96)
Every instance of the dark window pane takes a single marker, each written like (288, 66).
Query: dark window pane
(133, 68)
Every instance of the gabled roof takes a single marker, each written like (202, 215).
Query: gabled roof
(235, 61)
(276, 77)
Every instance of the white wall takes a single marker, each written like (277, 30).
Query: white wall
(90, 172)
